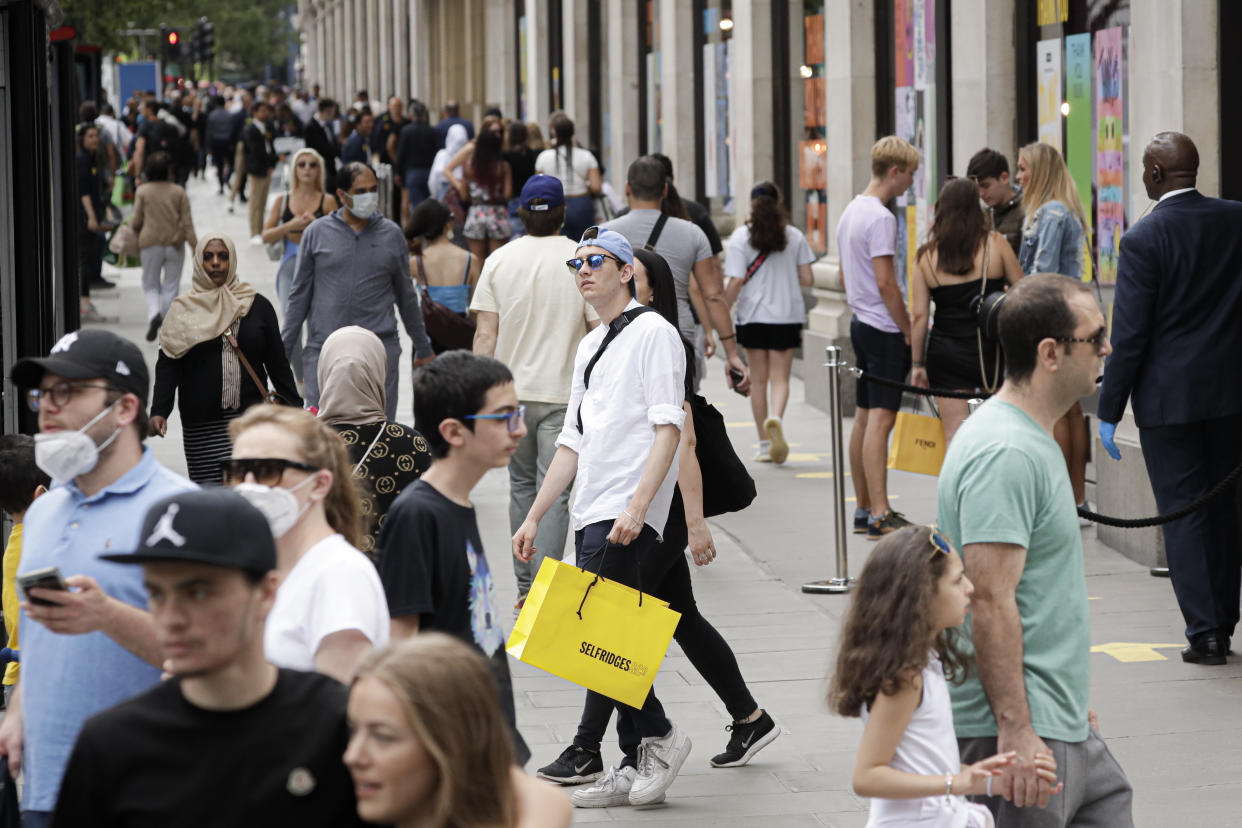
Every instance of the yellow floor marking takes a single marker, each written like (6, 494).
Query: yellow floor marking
(1093, 597)
(1126, 651)
(817, 475)
(740, 424)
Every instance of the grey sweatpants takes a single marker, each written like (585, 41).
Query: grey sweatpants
(1097, 793)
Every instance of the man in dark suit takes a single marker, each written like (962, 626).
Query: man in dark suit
(1177, 348)
(321, 137)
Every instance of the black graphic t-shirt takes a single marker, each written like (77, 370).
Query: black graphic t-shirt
(396, 460)
(432, 565)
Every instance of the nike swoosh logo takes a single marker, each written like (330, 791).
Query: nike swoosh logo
(746, 742)
(582, 767)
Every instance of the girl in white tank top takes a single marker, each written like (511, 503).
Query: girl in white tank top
(897, 646)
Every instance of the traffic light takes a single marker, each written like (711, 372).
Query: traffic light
(205, 34)
(172, 41)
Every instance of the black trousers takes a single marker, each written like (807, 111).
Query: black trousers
(222, 157)
(666, 575)
(620, 563)
(1204, 548)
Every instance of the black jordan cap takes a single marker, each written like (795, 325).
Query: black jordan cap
(86, 354)
(211, 526)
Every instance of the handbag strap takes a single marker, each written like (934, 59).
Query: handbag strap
(422, 274)
(615, 327)
(263, 392)
(656, 231)
(983, 287)
(378, 435)
(754, 265)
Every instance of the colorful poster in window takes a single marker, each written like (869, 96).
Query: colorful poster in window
(813, 27)
(1053, 11)
(1048, 90)
(915, 120)
(815, 102)
(1078, 154)
(1110, 171)
(813, 164)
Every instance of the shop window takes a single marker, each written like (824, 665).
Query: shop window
(812, 148)
(716, 32)
(649, 76)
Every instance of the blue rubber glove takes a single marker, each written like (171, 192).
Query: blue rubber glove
(1107, 432)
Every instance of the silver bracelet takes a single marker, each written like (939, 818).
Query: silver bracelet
(633, 519)
(948, 784)
(989, 786)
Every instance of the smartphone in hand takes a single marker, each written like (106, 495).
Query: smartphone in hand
(736, 376)
(47, 578)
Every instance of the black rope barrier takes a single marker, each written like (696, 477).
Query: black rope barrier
(1120, 523)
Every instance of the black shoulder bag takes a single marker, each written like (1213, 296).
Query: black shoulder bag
(615, 327)
(727, 486)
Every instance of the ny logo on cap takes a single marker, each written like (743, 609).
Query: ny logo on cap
(122, 368)
(164, 528)
(65, 343)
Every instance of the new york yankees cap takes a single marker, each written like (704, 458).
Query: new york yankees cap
(211, 526)
(87, 354)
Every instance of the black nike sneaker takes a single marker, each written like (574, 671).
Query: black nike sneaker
(574, 766)
(747, 740)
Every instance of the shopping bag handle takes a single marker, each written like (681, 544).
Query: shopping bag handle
(597, 578)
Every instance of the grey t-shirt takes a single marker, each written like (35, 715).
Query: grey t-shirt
(681, 243)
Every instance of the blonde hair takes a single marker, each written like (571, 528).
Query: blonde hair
(534, 136)
(1049, 180)
(322, 447)
(293, 170)
(891, 151)
(451, 702)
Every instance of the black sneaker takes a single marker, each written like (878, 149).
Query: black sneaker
(574, 766)
(747, 740)
(890, 522)
(153, 328)
(860, 524)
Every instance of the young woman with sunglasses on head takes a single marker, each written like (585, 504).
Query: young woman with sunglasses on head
(291, 214)
(330, 609)
(898, 651)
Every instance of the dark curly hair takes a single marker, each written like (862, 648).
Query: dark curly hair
(767, 218)
(958, 230)
(884, 639)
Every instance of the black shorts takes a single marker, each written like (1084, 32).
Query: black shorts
(880, 354)
(769, 336)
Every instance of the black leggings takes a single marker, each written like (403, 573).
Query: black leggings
(666, 575)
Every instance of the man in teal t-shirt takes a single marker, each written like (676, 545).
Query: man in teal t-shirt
(1005, 501)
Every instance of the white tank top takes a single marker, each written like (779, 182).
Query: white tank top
(928, 747)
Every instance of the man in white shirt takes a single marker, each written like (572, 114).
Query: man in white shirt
(531, 317)
(620, 438)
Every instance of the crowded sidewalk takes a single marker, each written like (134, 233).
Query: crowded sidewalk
(1161, 718)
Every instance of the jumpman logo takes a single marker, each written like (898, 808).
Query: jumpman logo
(164, 528)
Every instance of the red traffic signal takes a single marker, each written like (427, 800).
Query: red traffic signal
(172, 38)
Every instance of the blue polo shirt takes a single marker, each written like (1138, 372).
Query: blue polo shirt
(66, 679)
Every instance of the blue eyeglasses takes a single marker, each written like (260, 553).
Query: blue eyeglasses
(514, 418)
(595, 261)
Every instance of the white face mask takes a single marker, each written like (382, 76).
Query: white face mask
(276, 503)
(364, 204)
(64, 455)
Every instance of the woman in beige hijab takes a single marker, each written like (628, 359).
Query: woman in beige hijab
(387, 456)
(211, 341)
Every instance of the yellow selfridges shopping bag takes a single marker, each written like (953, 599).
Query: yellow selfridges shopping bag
(918, 444)
(593, 631)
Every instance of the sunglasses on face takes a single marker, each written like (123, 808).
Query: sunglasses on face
(308, 165)
(595, 261)
(266, 470)
(59, 394)
(513, 419)
(1097, 340)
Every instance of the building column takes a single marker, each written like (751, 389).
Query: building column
(500, 84)
(984, 112)
(349, 13)
(850, 71)
(538, 104)
(751, 94)
(401, 49)
(576, 54)
(381, 26)
(677, 103)
(621, 24)
(420, 55)
(371, 48)
(340, 45)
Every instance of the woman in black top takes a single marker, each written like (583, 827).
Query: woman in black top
(387, 456)
(198, 361)
(950, 268)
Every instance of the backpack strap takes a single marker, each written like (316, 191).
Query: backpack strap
(755, 264)
(614, 329)
(656, 231)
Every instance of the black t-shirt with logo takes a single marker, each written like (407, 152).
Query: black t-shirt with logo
(432, 565)
(158, 760)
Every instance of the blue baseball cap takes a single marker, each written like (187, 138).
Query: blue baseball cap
(610, 240)
(542, 192)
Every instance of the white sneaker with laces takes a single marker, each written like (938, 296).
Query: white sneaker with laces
(613, 788)
(659, 760)
(763, 455)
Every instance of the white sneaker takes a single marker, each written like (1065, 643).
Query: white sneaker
(1082, 521)
(780, 449)
(611, 789)
(659, 760)
(763, 455)
(256, 240)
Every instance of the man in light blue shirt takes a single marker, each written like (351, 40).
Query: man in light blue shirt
(92, 646)
(353, 265)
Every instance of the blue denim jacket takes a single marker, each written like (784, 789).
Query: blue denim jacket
(1052, 242)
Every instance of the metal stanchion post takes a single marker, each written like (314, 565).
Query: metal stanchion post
(843, 582)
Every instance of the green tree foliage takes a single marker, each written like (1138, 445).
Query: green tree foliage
(249, 33)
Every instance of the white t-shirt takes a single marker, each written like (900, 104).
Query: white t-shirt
(773, 295)
(543, 317)
(334, 587)
(866, 231)
(638, 384)
(574, 176)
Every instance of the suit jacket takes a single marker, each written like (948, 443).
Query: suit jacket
(260, 156)
(1177, 315)
(318, 139)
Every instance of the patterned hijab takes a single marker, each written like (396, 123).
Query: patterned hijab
(352, 367)
(207, 312)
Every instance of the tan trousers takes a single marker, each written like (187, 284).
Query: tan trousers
(258, 201)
